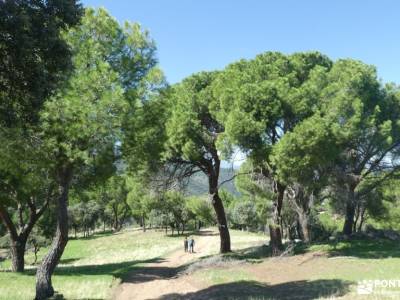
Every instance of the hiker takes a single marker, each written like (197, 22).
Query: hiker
(191, 245)
(185, 244)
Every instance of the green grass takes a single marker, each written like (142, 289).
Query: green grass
(91, 267)
(333, 269)
(223, 276)
(361, 248)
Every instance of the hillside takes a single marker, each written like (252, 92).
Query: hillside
(198, 183)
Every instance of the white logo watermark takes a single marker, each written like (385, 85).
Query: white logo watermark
(378, 286)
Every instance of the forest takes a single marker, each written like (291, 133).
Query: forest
(94, 139)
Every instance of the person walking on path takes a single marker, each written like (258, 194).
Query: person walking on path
(191, 245)
(185, 244)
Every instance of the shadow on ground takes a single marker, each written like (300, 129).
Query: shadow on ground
(145, 274)
(295, 290)
(361, 248)
(118, 270)
(67, 261)
(253, 254)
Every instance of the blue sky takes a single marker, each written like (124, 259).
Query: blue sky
(196, 35)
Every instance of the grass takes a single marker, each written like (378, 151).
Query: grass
(361, 248)
(91, 267)
(317, 271)
(223, 276)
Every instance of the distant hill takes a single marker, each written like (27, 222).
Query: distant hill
(198, 183)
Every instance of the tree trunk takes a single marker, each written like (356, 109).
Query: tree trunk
(362, 219)
(17, 258)
(350, 212)
(304, 227)
(36, 251)
(356, 217)
(275, 240)
(144, 224)
(18, 254)
(225, 238)
(18, 241)
(44, 288)
(275, 229)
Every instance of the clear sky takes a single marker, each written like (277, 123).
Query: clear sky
(196, 35)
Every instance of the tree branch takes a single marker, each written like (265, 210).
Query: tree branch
(4, 215)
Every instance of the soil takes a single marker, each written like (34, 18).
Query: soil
(163, 277)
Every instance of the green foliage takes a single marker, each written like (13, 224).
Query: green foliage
(383, 208)
(263, 98)
(144, 138)
(201, 208)
(300, 154)
(83, 216)
(140, 198)
(34, 56)
(256, 188)
(191, 127)
(244, 214)
(324, 225)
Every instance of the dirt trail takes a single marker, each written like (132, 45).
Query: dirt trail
(161, 278)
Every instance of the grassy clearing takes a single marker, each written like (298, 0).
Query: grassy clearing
(91, 267)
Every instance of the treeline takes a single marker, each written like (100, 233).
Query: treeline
(312, 129)
(92, 133)
(70, 82)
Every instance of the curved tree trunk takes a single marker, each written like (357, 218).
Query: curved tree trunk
(44, 288)
(225, 245)
(213, 175)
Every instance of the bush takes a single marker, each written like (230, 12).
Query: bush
(323, 225)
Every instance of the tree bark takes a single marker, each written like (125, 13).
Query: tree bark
(275, 229)
(362, 219)
(225, 245)
(18, 240)
(302, 202)
(275, 240)
(356, 216)
(305, 227)
(18, 254)
(44, 288)
(350, 212)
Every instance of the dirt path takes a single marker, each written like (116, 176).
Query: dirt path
(161, 278)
